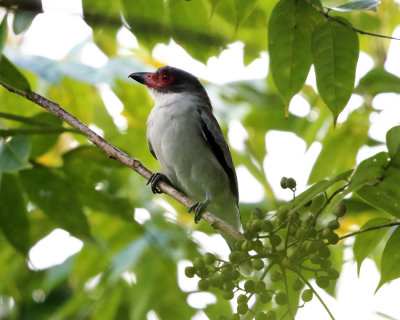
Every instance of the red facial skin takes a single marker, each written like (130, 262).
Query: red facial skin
(158, 80)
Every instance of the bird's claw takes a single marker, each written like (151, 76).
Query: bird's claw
(155, 179)
(198, 208)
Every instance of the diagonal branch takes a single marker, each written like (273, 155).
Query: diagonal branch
(120, 156)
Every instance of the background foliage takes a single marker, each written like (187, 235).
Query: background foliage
(51, 177)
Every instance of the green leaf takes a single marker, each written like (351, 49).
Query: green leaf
(128, 257)
(393, 145)
(335, 51)
(370, 170)
(243, 9)
(390, 259)
(13, 216)
(3, 33)
(12, 77)
(22, 20)
(14, 154)
(385, 194)
(43, 143)
(26, 11)
(378, 80)
(190, 21)
(338, 152)
(367, 241)
(55, 196)
(289, 43)
(357, 5)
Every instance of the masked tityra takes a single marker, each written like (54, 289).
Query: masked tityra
(184, 136)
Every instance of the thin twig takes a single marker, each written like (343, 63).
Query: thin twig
(329, 17)
(385, 225)
(115, 153)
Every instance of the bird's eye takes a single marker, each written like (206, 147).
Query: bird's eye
(165, 76)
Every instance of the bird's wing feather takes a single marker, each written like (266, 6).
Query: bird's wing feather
(215, 139)
(151, 148)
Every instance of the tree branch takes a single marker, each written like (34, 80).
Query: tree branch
(385, 225)
(122, 157)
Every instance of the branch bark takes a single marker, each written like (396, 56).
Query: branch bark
(114, 153)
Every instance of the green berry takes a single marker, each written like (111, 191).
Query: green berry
(256, 226)
(282, 213)
(190, 272)
(249, 286)
(247, 245)
(333, 238)
(257, 213)
(265, 297)
(315, 258)
(198, 263)
(284, 183)
(267, 226)
(281, 298)
(322, 282)
(235, 257)
(203, 284)
(242, 308)
(271, 315)
(260, 286)
(275, 240)
(257, 264)
(291, 183)
(307, 295)
(242, 299)
(235, 274)
(228, 286)
(228, 295)
(216, 280)
(260, 316)
(226, 274)
(334, 224)
(324, 252)
(325, 264)
(297, 284)
(332, 273)
(258, 245)
(276, 276)
(339, 209)
(209, 258)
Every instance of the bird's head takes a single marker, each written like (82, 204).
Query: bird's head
(170, 80)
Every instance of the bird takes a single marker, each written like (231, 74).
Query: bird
(186, 139)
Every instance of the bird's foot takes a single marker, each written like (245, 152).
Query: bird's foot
(198, 208)
(155, 179)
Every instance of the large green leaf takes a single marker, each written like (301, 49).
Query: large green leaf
(390, 259)
(384, 195)
(243, 9)
(54, 195)
(3, 33)
(393, 145)
(378, 80)
(190, 21)
(13, 216)
(289, 42)
(367, 241)
(335, 51)
(11, 76)
(338, 150)
(14, 154)
(383, 191)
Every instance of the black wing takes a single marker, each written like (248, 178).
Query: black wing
(151, 148)
(215, 139)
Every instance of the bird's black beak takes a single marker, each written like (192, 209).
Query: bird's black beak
(139, 76)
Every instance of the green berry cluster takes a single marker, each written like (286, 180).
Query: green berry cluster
(286, 241)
